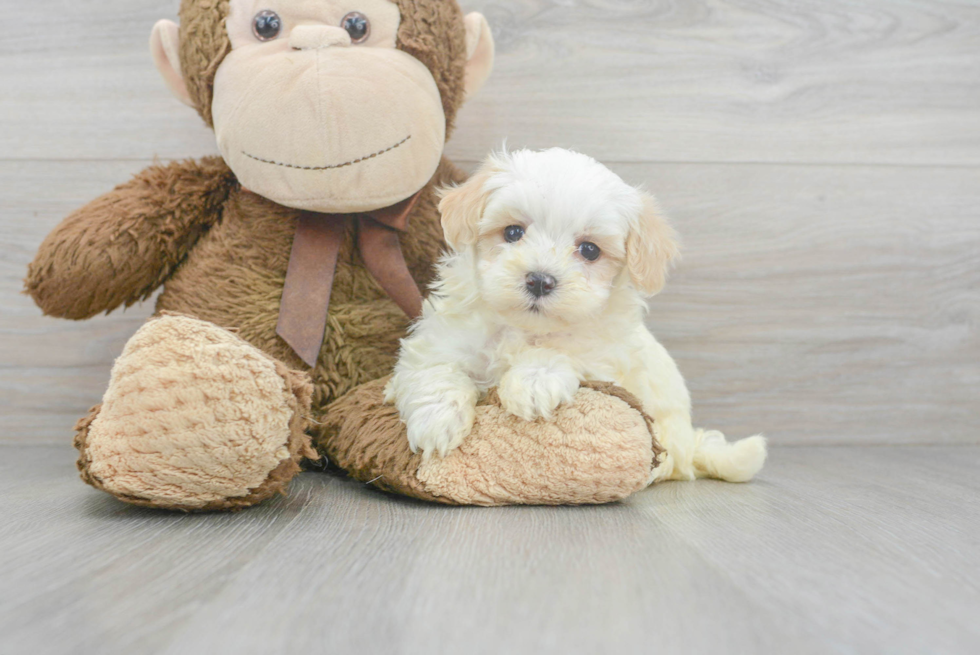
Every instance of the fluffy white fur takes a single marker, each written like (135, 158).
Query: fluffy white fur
(481, 327)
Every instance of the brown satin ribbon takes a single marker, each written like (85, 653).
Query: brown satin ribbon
(313, 260)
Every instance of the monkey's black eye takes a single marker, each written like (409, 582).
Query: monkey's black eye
(513, 233)
(266, 25)
(589, 250)
(357, 25)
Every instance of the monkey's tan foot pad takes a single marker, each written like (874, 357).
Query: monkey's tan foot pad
(195, 418)
(597, 449)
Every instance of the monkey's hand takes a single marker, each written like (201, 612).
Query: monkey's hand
(120, 247)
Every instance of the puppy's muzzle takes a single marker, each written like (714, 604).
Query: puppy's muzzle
(540, 284)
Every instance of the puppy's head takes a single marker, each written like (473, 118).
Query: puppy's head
(555, 235)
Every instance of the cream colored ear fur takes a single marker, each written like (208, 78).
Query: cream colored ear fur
(461, 208)
(650, 248)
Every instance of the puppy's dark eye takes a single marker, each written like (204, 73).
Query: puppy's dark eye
(589, 250)
(266, 25)
(357, 25)
(513, 233)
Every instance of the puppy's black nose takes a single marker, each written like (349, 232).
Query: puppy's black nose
(540, 284)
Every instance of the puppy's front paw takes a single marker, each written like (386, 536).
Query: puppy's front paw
(533, 391)
(440, 427)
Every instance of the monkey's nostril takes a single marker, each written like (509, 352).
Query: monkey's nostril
(540, 284)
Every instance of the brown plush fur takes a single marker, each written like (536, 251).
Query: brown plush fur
(179, 428)
(235, 278)
(120, 247)
(445, 57)
(431, 31)
(365, 437)
(221, 252)
(117, 249)
(599, 448)
(204, 44)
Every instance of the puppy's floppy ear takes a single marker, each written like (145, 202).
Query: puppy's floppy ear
(461, 208)
(650, 247)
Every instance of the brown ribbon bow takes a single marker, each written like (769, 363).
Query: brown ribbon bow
(313, 260)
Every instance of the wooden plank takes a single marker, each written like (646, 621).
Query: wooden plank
(825, 305)
(831, 550)
(876, 81)
(80, 84)
(815, 304)
(51, 370)
(119, 562)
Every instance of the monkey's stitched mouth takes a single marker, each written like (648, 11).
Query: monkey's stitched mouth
(327, 168)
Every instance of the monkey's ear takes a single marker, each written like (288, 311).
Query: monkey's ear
(165, 48)
(461, 208)
(479, 53)
(650, 248)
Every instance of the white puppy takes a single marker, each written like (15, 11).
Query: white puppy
(553, 255)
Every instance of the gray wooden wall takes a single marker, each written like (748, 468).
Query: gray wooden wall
(821, 159)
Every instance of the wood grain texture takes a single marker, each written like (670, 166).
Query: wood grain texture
(851, 550)
(872, 81)
(816, 304)
(822, 162)
(51, 370)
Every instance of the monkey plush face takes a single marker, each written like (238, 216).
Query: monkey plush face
(328, 105)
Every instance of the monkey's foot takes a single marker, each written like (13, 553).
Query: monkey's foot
(597, 448)
(195, 418)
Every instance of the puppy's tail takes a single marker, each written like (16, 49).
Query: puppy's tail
(737, 461)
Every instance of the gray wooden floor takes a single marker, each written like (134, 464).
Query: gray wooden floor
(833, 549)
(822, 163)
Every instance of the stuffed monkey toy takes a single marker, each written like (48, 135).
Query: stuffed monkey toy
(291, 266)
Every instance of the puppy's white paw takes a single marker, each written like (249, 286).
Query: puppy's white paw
(440, 427)
(533, 391)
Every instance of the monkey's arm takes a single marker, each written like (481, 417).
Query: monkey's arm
(120, 247)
